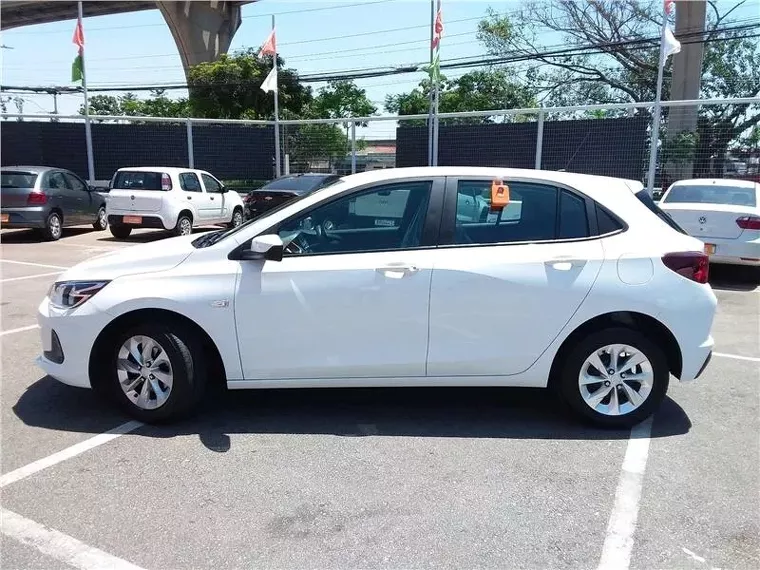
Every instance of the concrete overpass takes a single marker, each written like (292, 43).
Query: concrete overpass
(202, 30)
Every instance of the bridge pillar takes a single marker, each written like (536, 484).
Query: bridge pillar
(202, 30)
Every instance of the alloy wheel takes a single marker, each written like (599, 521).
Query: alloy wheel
(185, 227)
(144, 372)
(55, 226)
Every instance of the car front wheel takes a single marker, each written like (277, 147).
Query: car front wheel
(156, 372)
(237, 218)
(614, 378)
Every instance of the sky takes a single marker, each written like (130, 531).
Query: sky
(137, 48)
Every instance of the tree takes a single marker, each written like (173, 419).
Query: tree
(622, 64)
(480, 90)
(158, 105)
(342, 99)
(230, 88)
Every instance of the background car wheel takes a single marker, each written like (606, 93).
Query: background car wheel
(102, 222)
(121, 232)
(237, 218)
(614, 378)
(53, 227)
(156, 373)
(184, 226)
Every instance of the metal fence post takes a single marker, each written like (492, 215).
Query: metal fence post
(190, 157)
(353, 147)
(539, 139)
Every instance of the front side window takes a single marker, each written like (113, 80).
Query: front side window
(189, 182)
(387, 217)
(211, 184)
(531, 214)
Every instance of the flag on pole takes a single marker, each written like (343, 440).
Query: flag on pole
(438, 27)
(77, 68)
(670, 44)
(269, 47)
(669, 6)
(269, 84)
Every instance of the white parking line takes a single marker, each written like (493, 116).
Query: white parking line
(20, 329)
(736, 356)
(33, 264)
(618, 543)
(58, 545)
(68, 453)
(29, 277)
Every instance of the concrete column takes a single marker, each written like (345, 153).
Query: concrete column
(687, 74)
(202, 30)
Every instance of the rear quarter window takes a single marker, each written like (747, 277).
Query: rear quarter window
(136, 180)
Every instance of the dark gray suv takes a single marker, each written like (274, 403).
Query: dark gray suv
(48, 199)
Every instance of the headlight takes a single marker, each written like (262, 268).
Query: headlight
(70, 294)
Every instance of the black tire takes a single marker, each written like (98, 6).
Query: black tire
(237, 218)
(53, 227)
(183, 223)
(120, 231)
(570, 369)
(188, 367)
(101, 223)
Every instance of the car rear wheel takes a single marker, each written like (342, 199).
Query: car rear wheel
(184, 226)
(53, 227)
(614, 378)
(101, 223)
(156, 372)
(120, 232)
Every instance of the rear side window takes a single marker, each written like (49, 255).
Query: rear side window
(75, 183)
(646, 199)
(573, 221)
(138, 180)
(189, 182)
(605, 222)
(17, 179)
(55, 181)
(711, 194)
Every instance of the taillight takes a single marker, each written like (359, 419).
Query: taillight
(693, 265)
(36, 199)
(247, 198)
(748, 222)
(166, 182)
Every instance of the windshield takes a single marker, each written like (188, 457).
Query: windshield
(646, 199)
(712, 194)
(17, 179)
(297, 183)
(211, 238)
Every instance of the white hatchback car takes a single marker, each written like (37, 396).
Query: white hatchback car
(723, 213)
(175, 199)
(584, 286)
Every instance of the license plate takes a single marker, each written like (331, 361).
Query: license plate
(132, 219)
(709, 248)
(3, 217)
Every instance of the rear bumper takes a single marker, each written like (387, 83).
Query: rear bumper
(31, 217)
(734, 251)
(151, 221)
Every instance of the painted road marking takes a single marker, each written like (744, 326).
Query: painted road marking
(68, 453)
(737, 356)
(58, 545)
(29, 277)
(20, 329)
(618, 543)
(33, 264)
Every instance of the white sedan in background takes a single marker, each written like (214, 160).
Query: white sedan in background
(587, 288)
(723, 213)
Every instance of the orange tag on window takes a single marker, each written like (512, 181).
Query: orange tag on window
(499, 195)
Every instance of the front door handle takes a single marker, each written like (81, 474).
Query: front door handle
(397, 270)
(564, 263)
(212, 197)
(189, 197)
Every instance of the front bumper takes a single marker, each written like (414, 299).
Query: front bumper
(696, 359)
(76, 330)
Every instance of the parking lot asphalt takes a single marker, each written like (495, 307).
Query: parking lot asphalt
(412, 478)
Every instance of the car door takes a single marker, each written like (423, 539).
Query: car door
(215, 211)
(350, 297)
(505, 284)
(70, 202)
(88, 202)
(192, 192)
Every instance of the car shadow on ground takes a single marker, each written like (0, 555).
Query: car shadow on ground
(734, 278)
(414, 412)
(33, 236)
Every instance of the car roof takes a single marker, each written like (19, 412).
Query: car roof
(728, 182)
(33, 169)
(307, 175)
(166, 169)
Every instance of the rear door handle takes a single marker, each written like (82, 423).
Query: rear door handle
(189, 197)
(397, 270)
(564, 263)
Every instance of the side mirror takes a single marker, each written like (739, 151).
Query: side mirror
(223, 189)
(268, 247)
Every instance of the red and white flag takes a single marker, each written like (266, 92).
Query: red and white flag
(669, 6)
(438, 26)
(269, 47)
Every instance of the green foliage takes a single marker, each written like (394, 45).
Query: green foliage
(681, 148)
(158, 105)
(341, 99)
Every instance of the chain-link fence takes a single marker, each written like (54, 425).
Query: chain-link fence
(715, 139)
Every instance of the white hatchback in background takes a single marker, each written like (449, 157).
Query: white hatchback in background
(386, 278)
(176, 199)
(722, 213)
